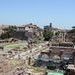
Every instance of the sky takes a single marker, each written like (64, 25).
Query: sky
(41, 12)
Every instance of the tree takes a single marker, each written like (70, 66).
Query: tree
(47, 35)
(57, 33)
(4, 35)
(8, 32)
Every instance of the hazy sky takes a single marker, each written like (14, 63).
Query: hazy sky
(60, 12)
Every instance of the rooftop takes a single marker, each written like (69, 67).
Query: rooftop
(55, 73)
